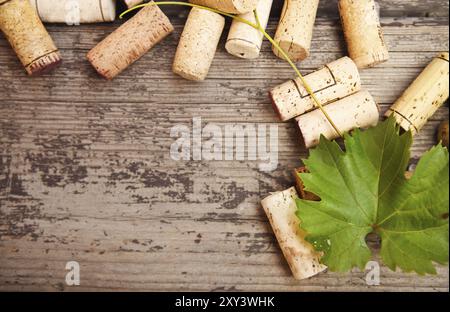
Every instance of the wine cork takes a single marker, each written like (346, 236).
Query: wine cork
(424, 96)
(334, 81)
(281, 210)
(229, 6)
(28, 37)
(355, 111)
(245, 41)
(198, 44)
(75, 12)
(133, 3)
(130, 42)
(295, 29)
(363, 33)
(304, 194)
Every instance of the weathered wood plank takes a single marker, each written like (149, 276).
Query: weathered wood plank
(86, 175)
(388, 8)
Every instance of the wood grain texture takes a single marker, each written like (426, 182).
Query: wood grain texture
(388, 8)
(86, 175)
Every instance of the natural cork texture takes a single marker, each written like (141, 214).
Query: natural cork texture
(301, 256)
(363, 33)
(130, 42)
(198, 44)
(133, 3)
(355, 111)
(228, 6)
(295, 29)
(245, 41)
(424, 96)
(335, 81)
(75, 12)
(28, 36)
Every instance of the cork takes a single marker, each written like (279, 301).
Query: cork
(198, 44)
(424, 96)
(130, 42)
(355, 111)
(245, 41)
(304, 194)
(28, 37)
(303, 259)
(75, 12)
(295, 29)
(229, 6)
(363, 32)
(334, 81)
(132, 3)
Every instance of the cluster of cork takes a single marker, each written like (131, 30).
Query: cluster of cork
(203, 29)
(337, 85)
(21, 21)
(198, 43)
(338, 88)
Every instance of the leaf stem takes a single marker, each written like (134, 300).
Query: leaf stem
(258, 27)
(258, 23)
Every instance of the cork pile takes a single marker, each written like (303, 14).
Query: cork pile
(337, 85)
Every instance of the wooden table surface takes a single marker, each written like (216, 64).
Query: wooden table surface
(86, 174)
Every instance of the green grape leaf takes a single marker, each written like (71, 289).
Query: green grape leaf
(364, 190)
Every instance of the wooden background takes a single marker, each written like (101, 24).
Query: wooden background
(86, 175)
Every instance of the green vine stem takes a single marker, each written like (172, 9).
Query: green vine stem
(258, 27)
